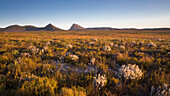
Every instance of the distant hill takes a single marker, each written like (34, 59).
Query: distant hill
(156, 29)
(17, 28)
(50, 27)
(13, 28)
(109, 28)
(100, 28)
(32, 28)
(0, 29)
(76, 27)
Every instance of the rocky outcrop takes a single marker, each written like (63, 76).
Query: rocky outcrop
(76, 27)
(50, 27)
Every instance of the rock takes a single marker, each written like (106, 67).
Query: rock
(116, 46)
(74, 57)
(68, 46)
(121, 47)
(94, 39)
(25, 55)
(111, 44)
(133, 42)
(165, 86)
(33, 49)
(106, 48)
(141, 53)
(92, 61)
(162, 46)
(160, 39)
(42, 50)
(47, 43)
(151, 44)
(123, 43)
(91, 43)
(52, 41)
(36, 50)
(45, 48)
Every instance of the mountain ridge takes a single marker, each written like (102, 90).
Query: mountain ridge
(50, 27)
(18, 28)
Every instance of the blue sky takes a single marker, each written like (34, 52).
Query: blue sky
(87, 13)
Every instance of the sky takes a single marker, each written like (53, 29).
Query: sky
(87, 13)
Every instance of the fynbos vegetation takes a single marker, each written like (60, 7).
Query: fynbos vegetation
(80, 63)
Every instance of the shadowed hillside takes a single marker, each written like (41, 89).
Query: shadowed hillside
(17, 28)
(51, 27)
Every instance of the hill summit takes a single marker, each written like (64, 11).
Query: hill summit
(76, 27)
(51, 27)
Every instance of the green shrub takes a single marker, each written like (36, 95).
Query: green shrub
(72, 91)
(40, 86)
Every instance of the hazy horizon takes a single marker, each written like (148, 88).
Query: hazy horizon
(87, 13)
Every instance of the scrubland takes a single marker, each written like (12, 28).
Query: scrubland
(80, 63)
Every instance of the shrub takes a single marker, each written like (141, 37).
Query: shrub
(72, 91)
(99, 81)
(40, 86)
(147, 62)
(130, 71)
(160, 91)
(122, 58)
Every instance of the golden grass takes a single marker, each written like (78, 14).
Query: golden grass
(105, 34)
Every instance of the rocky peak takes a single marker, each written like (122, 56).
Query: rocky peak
(51, 27)
(76, 27)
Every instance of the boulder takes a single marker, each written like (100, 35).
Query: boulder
(106, 48)
(121, 47)
(74, 57)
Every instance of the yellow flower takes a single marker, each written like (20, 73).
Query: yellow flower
(115, 80)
